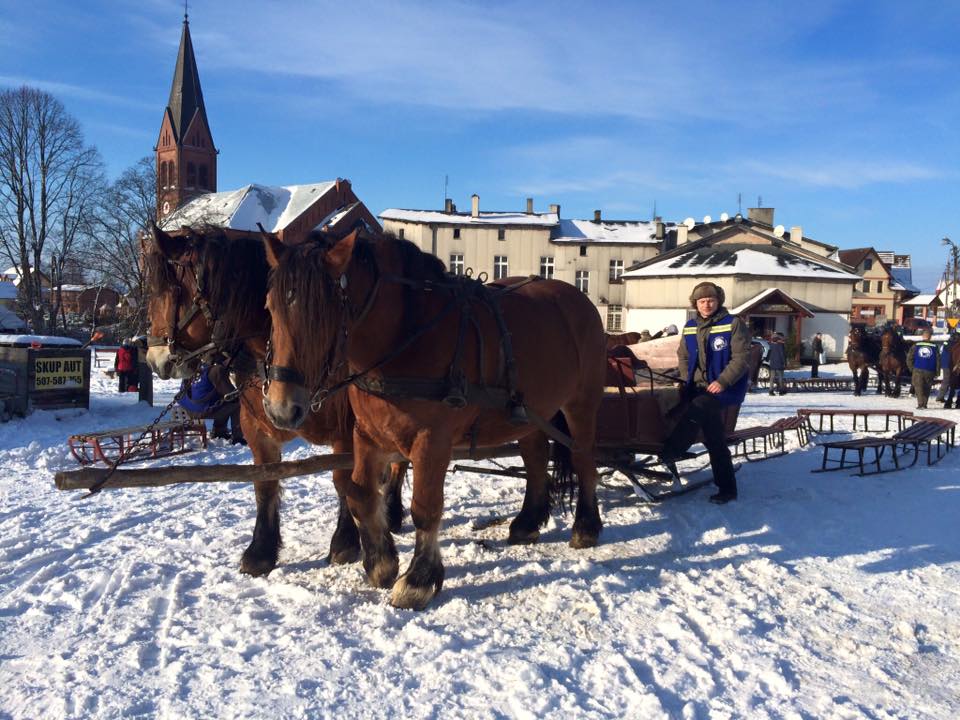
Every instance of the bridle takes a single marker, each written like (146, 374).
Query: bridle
(199, 305)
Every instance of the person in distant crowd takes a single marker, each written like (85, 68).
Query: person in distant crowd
(818, 358)
(923, 360)
(777, 359)
(645, 335)
(125, 365)
(714, 355)
(946, 392)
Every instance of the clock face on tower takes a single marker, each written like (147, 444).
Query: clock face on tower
(166, 207)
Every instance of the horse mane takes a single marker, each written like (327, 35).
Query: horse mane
(303, 278)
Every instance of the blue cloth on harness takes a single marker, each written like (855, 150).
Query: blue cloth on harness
(925, 356)
(718, 356)
(201, 396)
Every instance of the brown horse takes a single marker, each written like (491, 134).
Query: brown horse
(436, 362)
(863, 353)
(630, 338)
(205, 285)
(892, 363)
(953, 376)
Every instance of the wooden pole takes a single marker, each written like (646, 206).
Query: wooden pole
(86, 478)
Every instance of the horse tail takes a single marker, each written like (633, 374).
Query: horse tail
(562, 483)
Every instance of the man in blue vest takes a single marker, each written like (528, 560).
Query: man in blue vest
(924, 363)
(714, 355)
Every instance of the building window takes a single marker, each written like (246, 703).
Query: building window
(868, 264)
(163, 174)
(456, 233)
(546, 267)
(583, 280)
(203, 177)
(400, 233)
(191, 175)
(879, 286)
(501, 234)
(866, 286)
(583, 251)
(456, 264)
(614, 318)
(500, 267)
(616, 269)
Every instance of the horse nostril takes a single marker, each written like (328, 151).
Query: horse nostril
(297, 417)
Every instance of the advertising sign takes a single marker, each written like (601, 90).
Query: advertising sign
(58, 373)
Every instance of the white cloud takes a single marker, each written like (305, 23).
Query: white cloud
(846, 174)
(78, 92)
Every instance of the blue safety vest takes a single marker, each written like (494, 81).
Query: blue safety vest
(925, 356)
(200, 398)
(718, 357)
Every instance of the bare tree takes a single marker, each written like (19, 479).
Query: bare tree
(49, 180)
(125, 209)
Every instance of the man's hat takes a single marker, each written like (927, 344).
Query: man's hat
(706, 289)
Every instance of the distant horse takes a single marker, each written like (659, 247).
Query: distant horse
(630, 338)
(437, 362)
(207, 296)
(892, 363)
(863, 353)
(954, 378)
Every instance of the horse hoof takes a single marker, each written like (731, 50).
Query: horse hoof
(344, 556)
(256, 566)
(411, 597)
(581, 540)
(384, 574)
(522, 536)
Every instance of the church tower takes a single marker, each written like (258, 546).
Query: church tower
(186, 156)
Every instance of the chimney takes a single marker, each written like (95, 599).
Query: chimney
(681, 234)
(761, 215)
(596, 216)
(529, 206)
(474, 205)
(448, 205)
(658, 224)
(796, 234)
(555, 209)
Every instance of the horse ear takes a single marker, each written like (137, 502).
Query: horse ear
(338, 257)
(272, 246)
(169, 246)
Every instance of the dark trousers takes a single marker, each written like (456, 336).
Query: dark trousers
(815, 367)
(704, 413)
(126, 379)
(922, 380)
(228, 413)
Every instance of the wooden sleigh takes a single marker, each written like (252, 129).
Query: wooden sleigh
(180, 434)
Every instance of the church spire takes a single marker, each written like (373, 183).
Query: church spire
(186, 156)
(186, 97)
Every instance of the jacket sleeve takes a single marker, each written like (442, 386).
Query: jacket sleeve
(682, 357)
(936, 356)
(739, 354)
(910, 358)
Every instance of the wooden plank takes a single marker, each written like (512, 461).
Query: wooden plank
(158, 477)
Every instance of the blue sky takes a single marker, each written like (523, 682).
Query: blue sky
(844, 116)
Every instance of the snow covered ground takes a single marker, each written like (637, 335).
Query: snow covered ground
(814, 595)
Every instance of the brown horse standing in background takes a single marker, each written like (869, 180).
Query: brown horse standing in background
(436, 362)
(954, 389)
(863, 353)
(229, 278)
(892, 363)
(629, 338)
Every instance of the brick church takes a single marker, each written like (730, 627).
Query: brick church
(186, 161)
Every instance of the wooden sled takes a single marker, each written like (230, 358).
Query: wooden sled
(180, 434)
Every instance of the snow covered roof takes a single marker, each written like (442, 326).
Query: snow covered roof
(902, 279)
(8, 290)
(628, 232)
(9, 320)
(272, 207)
(739, 259)
(920, 300)
(45, 340)
(760, 297)
(439, 217)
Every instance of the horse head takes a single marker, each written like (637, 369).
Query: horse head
(309, 296)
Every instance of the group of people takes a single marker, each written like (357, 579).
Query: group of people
(925, 361)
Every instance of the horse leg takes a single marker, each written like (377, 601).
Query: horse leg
(424, 577)
(393, 495)
(261, 555)
(366, 505)
(525, 528)
(345, 543)
(582, 422)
